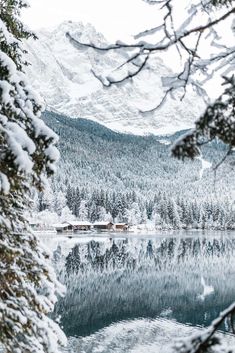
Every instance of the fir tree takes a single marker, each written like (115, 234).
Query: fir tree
(27, 283)
(83, 211)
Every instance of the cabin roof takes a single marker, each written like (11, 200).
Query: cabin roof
(102, 223)
(61, 225)
(121, 224)
(79, 223)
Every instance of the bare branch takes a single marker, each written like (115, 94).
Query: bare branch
(116, 46)
(129, 75)
(223, 55)
(130, 60)
(190, 64)
(201, 341)
(98, 77)
(209, 24)
(229, 151)
(154, 47)
(171, 38)
(148, 32)
(162, 101)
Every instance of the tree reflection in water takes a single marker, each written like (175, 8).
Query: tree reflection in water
(131, 278)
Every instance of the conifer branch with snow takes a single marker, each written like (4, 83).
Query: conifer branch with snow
(28, 286)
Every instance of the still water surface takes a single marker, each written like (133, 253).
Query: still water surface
(138, 293)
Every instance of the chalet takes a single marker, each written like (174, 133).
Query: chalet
(80, 225)
(35, 225)
(103, 225)
(122, 227)
(63, 227)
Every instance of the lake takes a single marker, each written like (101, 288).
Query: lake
(137, 293)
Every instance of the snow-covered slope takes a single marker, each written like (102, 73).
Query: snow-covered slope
(64, 75)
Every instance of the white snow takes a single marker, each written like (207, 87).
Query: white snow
(79, 223)
(207, 289)
(52, 152)
(101, 223)
(60, 225)
(4, 183)
(204, 165)
(165, 142)
(69, 79)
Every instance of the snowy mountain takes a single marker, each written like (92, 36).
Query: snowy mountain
(66, 76)
(95, 157)
(103, 174)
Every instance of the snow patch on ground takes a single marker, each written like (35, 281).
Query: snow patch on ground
(165, 142)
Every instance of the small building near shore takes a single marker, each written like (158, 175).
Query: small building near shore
(80, 225)
(121, 227)
(34, 225)
(103, 225)
(63, 227)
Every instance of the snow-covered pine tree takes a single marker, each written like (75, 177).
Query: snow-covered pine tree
(83, 211)
(28, 286)
(60, 202)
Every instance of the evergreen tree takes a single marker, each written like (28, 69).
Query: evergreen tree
(144, 216)
(101, 213)
(175, 216)
(60, 202)
(46, 199)
(83, 211)
(27, 283)
(76, 200)
(93, 213)
(69, 197)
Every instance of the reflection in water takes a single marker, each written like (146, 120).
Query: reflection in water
(139, 336)
(189, 280)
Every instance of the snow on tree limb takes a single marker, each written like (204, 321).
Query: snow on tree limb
(197, 66)
(28, 154)
(202, 341)
(218, 121)
(185, 38)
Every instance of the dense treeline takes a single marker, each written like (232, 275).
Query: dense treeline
(104, 175)
(162, 210)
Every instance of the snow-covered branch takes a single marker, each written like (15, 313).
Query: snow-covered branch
(201, 342)
(216, 122)
(186, 38)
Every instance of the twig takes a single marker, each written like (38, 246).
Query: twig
(223, 159)
(201, 341)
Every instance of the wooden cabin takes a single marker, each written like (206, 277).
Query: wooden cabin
(103, 226)
(80, 225)
(121, 227)
(35, 225)
(63, 227)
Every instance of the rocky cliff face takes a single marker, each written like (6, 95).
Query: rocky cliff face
(66, 77)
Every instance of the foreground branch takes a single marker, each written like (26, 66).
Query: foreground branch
(201, 342)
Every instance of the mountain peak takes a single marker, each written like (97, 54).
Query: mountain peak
(67, 76)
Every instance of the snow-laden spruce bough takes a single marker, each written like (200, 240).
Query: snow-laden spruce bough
(28, 286)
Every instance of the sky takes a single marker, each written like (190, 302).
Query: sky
(116, 19)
